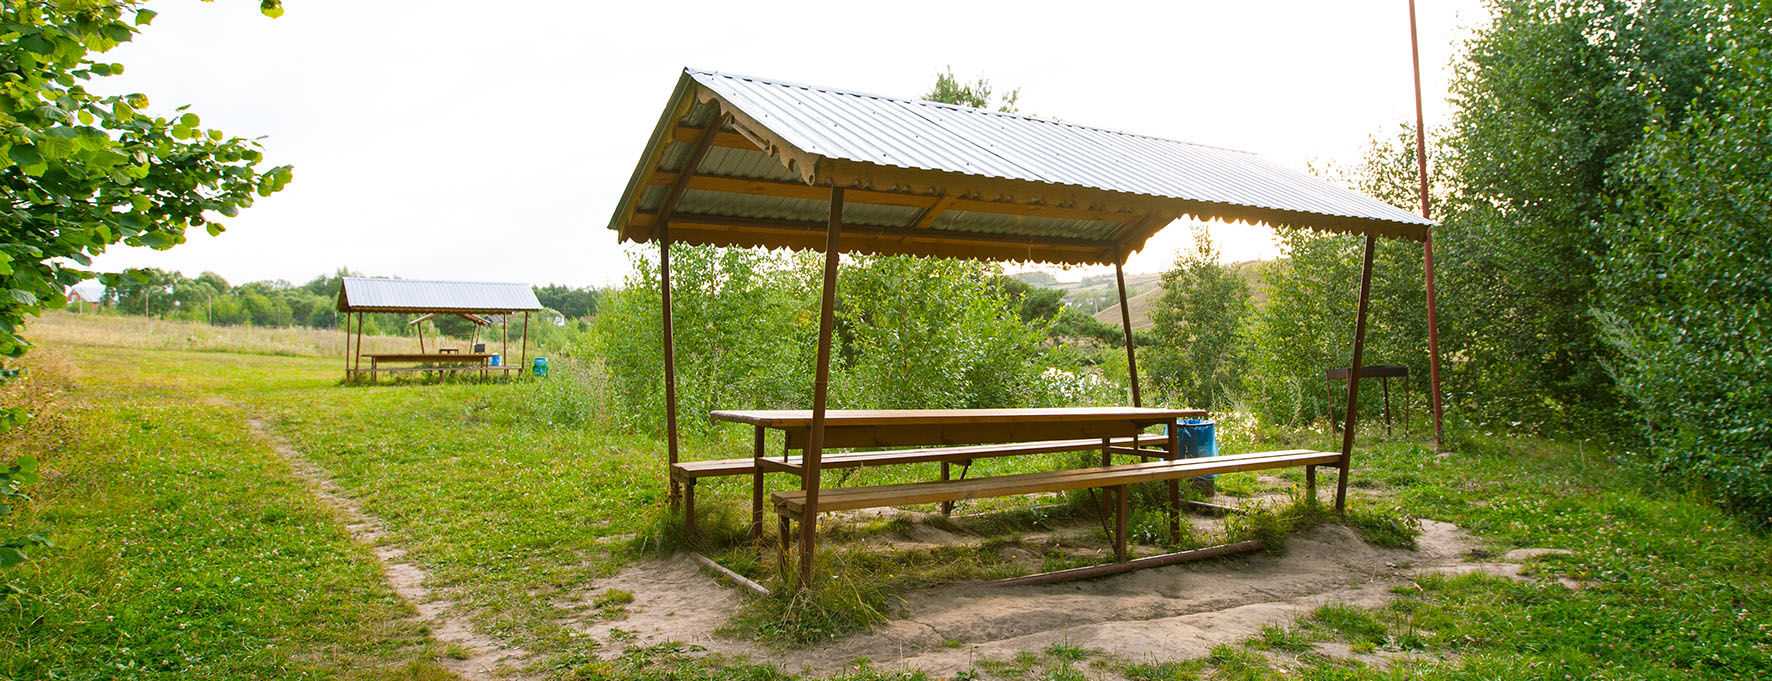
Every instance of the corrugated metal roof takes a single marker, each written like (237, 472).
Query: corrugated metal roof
(1021, 181)
(363, 294)
(917, 134)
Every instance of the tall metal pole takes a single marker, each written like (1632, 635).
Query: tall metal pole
(1433, 318)
(1126, 324)
(1353, 377)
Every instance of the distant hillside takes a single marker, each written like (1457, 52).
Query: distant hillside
(1253, 271)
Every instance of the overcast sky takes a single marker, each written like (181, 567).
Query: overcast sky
(491, 140)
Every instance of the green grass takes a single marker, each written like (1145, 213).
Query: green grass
(186, 550)
(516, 498)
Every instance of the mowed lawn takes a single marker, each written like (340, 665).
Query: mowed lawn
(186, 548)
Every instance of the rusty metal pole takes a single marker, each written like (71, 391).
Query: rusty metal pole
(1126, 324)
(1353, 377)
(1433, 318)
(670, 358)
(347, 347)
(809, 460)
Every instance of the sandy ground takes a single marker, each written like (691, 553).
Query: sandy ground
(1167, 613)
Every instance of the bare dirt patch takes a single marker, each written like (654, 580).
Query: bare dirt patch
(1167, 613)
(472, 655)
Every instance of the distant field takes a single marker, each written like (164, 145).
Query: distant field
(115, 331)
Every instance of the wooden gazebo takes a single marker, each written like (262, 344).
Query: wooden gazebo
(740, 161)
(477, 302)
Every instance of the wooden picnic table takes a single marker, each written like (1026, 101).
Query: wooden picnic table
(846, 428)
(457, 361)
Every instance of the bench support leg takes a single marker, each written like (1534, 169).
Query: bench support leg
(947, 507)
(1310, 483)
(689, 508)
(1120, 523)
(781, 547)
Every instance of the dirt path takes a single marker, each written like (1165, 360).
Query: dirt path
(1168, 613)
(472, 655)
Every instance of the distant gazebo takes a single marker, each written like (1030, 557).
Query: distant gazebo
(477, 302)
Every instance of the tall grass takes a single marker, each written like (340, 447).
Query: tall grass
(65, 328)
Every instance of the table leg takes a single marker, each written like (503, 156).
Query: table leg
(1310, 483)
(1120, 524)
(1174, 485)
(757, 485)
(1385, 381)
(781, 547)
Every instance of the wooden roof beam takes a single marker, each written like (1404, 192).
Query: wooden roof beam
(723, 138)
(932, 212)
(681, 182)
(796, 190)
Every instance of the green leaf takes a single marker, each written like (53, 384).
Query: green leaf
(27, 464)
(25, 155)
(271, 8)
(10, 557)
(215, 228)
(144, 16)
(24, 297)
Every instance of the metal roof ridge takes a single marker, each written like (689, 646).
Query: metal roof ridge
(438, 281)
(966, 109)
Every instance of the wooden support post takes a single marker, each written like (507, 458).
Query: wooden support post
(1433, 321)
(523, 364)
(1310, 483)
(357, 364)
(421, 336)
(1353, 378)
(781, 545)
(347, 347)
(1126, 324)
(810, 459)
(757, 484)
(670, 357)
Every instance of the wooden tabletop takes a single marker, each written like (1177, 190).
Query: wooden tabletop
(429, 357)
(801, 418)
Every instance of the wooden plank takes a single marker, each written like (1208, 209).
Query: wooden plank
(744, 466)
(968, 433)
(945, 202)
(723, 572)
(789, 418)
(717, 231)
(1091, 571)
(849, 498)
(681, 181)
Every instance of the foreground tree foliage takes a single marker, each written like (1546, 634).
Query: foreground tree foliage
(1686, 294)
(1552, 96)
(82, 170)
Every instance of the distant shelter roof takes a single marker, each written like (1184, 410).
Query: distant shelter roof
(743, 161)
(413, 296)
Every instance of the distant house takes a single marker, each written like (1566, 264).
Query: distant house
(78, 301)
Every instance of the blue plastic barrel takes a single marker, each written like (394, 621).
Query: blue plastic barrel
(541, 366)
(1199, 437)
(496, 360)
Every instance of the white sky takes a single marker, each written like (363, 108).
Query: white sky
(490, 141)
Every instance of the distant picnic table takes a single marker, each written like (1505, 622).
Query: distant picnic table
(444, 361)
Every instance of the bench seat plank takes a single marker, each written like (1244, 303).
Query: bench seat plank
(792, 503)
(691, 470)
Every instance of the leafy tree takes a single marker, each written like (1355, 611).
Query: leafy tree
(1686, 287)
(1551, 96)
(82, 171)
(922, 333)
(1307, 324)
(977, 94)
(575, 303)
(1197, 360)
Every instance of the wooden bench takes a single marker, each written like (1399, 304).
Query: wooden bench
(688, 472)
(790, 505)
